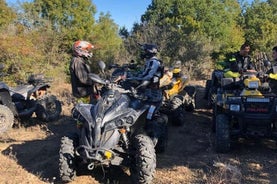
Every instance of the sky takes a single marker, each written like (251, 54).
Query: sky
(123, 12)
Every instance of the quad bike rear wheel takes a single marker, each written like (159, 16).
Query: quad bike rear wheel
(178, 112)
(48, 109)
(67, 160)
(6, 119)
(143, 159)
(222, 139)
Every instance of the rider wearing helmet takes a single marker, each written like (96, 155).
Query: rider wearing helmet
(82, 85)
(156, 125)
(153, 69)
(150, 77)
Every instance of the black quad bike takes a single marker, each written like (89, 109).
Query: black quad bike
(22, 101)
(121, 129)
(212, 86)
(244, 107)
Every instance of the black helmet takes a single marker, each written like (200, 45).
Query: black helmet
(148, 50)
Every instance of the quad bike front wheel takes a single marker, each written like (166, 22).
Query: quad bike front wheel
(67, 160)
(208, 85)
(143, 163)
(48, 108)
(6, 118)
(162, 122)
(212, 97)
(189, 98)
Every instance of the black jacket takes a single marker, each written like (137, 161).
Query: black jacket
(82, 85)
(239, 63)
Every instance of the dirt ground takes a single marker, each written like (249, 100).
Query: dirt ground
(29, 154)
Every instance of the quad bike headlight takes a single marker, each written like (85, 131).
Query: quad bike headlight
(234, 107)
(108, 154)
(253, 84)
(129, 120)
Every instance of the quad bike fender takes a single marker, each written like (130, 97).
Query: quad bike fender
(40, 87)
(5, 99)
(4, 86)
(38, 91)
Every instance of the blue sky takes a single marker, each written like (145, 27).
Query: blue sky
(123, 12)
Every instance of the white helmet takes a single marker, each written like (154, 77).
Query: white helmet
(82, 48)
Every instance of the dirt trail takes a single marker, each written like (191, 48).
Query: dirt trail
(30, 155)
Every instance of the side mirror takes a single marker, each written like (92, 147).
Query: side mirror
(102, 66)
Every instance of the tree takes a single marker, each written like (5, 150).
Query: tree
(123, 32)
(7, 15)
(105, 37)
(261, 24)
(73, 19)
(191, 30)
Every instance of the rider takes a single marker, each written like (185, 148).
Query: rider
(152, 73)
(233, 66)
(82, 85)
(239, 62)
(150, 85)
(177, 74)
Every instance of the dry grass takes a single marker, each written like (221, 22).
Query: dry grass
(13, 173)
(29, 155)
(184, 175)
(225, 173)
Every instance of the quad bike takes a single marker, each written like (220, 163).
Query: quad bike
(22, 101)
(260, 61)
(121, 129)
(178, 96)
(212, 86)
(244, 107)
